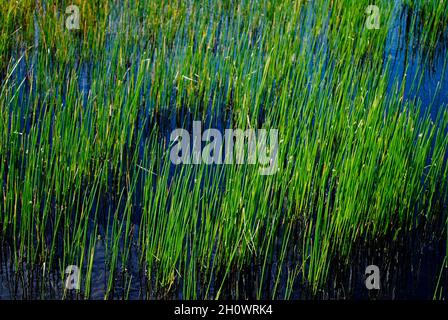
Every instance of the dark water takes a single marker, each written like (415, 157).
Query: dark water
(409, 269)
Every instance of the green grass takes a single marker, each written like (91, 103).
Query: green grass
(357, 162)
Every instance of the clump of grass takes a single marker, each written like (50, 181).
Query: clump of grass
(431, 20)
(83, 153)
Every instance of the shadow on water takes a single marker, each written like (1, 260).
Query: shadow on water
(409, 269)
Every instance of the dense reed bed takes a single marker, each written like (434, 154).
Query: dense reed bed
(85, 119)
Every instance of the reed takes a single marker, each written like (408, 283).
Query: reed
(85, 116)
